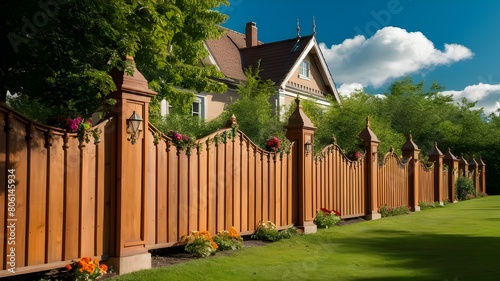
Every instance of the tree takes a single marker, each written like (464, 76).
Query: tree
(59, 53)
(347, 120)
(253, 110)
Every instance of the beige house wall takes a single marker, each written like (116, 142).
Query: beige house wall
(315, 80)
(217, 102)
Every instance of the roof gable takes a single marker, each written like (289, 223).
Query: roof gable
(278, 60)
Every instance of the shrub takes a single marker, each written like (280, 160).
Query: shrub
(199, 243)
(387, 211)
(464, 189)
(266, 231)
(290, 232)
(326, 218)
(429, 205)
(228, 240)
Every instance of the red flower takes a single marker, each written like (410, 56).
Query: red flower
(326, 211)
(273, 144)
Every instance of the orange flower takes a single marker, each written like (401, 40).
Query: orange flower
(214, 245)
(68, 267)
(233, 233)
(103, 268)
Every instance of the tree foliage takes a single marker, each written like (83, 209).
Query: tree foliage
(59, 53)
(253, 110)
(412, 108)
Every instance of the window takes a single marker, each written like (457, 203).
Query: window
(165, 107)
(304, 69)
(198, 108)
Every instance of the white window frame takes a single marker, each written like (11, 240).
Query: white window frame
(305, 69)
(201, 101)
(165, 107)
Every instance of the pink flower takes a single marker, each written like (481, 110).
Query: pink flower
(177, 136)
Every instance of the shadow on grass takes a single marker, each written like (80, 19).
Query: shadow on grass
(432, 256)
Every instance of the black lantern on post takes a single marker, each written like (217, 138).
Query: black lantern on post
(133, 127)
(308, 147)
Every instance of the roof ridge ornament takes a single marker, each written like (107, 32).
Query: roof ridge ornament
(314, 26)
(298, 29)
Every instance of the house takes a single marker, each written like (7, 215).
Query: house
(296, 66)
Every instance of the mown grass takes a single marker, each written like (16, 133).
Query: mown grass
(458, 242)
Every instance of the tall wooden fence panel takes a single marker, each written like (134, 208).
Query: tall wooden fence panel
(55, 206)
(393, 185)
(226, 181)
(339, 183)
(445, 191)
(426, 181)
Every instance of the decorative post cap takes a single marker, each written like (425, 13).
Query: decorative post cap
(435, 151)
(462, 160)
(299, 119)
(409, 145)
(481, 163)
(473, 161)
(367, 134)
(231, 122)
(135, 83)
(449, 156)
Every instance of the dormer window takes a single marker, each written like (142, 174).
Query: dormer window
(304, 69)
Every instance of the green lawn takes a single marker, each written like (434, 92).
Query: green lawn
(456, 243)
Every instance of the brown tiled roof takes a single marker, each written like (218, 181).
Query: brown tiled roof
(233, 57)
(277, 58)
(226, 52)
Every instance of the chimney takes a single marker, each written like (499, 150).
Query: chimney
(251, 34)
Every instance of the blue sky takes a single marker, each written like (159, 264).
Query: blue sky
(371, 43)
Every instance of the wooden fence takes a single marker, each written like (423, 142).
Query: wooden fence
(115, 199)
(225, 181)
(55, 194)
(339, 183)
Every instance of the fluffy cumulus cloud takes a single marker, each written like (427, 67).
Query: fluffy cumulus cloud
(486, 95)
(347, 89)
(389, 54)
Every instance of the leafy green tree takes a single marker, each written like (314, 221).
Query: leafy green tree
(59, 53)
(252, 109)
(347, 120)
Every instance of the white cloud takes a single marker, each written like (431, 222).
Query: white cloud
(389, 54)
(347, 89)
(486, 95)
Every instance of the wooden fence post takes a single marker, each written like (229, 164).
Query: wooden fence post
(411, 151)
(128, 248)
(482, 175)
(436, 156)
(463, 167)
(473, 166)
(371, 143)
(300, 130)
(452, 162)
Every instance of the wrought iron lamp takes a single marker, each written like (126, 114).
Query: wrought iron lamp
(308, 147)
(133, 127)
